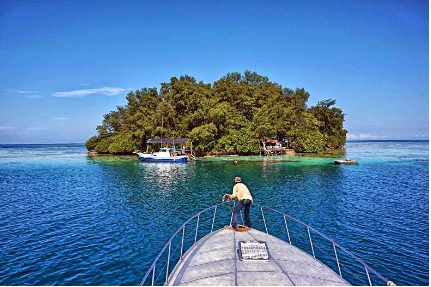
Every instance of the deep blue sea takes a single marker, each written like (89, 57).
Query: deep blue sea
(70, 219)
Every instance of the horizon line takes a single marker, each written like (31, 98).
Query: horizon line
(352, 140)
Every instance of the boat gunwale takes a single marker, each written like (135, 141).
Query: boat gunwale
(153, 265)
(366, 266)
(170, 240)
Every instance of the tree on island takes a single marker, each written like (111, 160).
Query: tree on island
(231, 116)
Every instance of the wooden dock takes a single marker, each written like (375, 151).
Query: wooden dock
(214, 261)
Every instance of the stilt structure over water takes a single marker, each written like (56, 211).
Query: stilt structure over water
(272, 147)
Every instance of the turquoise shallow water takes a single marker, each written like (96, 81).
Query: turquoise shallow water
(67, 219)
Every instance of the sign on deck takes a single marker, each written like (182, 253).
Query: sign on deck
(253, 251)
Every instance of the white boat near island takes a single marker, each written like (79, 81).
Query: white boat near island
(164, 155)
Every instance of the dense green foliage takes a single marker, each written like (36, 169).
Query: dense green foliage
(233, 115)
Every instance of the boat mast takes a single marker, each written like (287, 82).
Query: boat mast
(161, 136)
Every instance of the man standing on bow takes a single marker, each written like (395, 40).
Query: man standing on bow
(242, 194)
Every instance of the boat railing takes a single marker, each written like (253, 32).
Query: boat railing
(268, 220)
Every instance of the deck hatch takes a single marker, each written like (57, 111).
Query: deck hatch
(253, 251)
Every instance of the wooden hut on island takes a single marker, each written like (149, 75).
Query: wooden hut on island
(273, 147)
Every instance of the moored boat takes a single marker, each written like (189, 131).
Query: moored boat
(346, 161)
(164, 155)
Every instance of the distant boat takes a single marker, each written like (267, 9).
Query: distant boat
(346, 161)
(164, 155)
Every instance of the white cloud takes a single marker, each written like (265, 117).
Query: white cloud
(26, 93)
(360, 137)
(17, 91)
(61, 118)
(420, 136)
(36, 129)
(6, 128)
(107, 91)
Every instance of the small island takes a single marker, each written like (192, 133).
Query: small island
(233, 116)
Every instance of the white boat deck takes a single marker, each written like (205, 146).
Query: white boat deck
(214, 261)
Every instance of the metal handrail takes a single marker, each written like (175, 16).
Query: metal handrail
(335, 245)
(182, 227)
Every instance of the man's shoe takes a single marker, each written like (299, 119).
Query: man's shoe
(231, 228)
(242, 228)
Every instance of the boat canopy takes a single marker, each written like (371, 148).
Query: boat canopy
(167, 141)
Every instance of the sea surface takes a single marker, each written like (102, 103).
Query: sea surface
(70, 219)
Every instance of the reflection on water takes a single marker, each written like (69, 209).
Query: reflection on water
(69, 219)
(166, 175)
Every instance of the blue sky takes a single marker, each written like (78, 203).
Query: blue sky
(64, 64)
